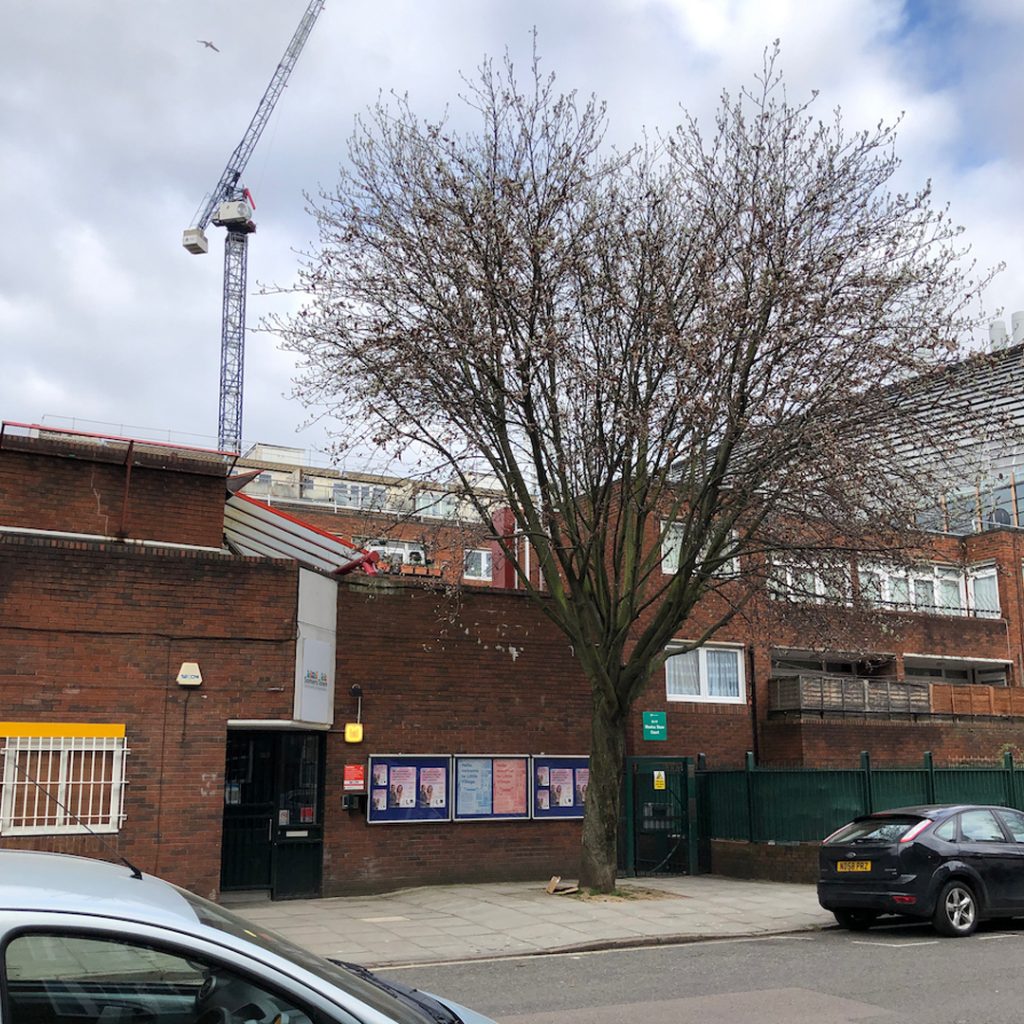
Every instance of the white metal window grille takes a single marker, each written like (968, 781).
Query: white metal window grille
(58, 785)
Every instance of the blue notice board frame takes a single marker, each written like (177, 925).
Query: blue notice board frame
(389, 804)
(549, 780)
(473, 786)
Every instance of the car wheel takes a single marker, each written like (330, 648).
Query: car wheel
(855, 920)
(956, 912)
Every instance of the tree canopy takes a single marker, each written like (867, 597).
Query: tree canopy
(701, 345)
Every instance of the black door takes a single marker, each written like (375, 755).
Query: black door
(273, 813)
(250, 800)
(985, 848)
(298, 839)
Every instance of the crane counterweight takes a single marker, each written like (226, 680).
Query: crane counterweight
(194, 239)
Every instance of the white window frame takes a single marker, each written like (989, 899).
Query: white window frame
(704, 697)
(933, 575)
(671, 542)
(396, 552)
(783, 588)
(979, 572)
(75, 760)
(372, 497)
(435, 505)
(486, 572)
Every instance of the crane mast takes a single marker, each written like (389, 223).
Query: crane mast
(229, 205)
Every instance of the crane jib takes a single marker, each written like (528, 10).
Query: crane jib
(228, 185)
(229, 204)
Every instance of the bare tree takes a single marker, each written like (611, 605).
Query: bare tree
(698, 348)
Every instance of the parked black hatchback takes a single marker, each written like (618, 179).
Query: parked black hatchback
(954, 865)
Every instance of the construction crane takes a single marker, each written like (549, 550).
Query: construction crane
(231, 206)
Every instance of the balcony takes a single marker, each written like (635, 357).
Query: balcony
(813, 693)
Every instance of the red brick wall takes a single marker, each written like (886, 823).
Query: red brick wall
(80, 495)
(838, 742)
(483, 673)
(774, 862)
(97, 634)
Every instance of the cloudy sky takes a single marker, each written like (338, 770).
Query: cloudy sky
(115, 122)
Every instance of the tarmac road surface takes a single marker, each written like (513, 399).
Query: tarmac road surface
(900, 972)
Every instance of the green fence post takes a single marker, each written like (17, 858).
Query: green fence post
(929, 767)
(865, 767)
(1011, 782)
(749, 765)
(630, 823)
(693, 821)
(702, 762)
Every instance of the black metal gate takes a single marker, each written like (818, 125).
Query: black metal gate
(273, 813)
(659, 833)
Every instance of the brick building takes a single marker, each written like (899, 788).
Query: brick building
(179, 666)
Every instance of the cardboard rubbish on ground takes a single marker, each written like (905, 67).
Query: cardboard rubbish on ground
(554, 888)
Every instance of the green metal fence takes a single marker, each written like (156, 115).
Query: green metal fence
(806, 804)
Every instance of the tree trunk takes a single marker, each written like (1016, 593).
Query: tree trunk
(599, 859)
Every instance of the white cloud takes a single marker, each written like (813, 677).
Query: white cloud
(112, 140)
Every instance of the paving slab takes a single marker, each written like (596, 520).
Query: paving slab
(452, 922)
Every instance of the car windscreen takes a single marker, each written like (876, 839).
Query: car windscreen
(887, 829)
(360, 984)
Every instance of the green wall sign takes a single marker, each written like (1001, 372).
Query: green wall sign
(655, 726)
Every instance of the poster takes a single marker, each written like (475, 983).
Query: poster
(433, 784)
(582, 781)
(491, 786)
(510, 786)
(402, 792)
(561, 787)
(473, 786)
(411, 788)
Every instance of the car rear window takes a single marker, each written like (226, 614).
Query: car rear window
(889, 829)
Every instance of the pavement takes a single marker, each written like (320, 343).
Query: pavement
(435, 924)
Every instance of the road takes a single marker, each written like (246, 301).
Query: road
(902, 972)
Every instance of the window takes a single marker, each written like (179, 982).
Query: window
(477, 565)
(59, 785)
(1014, 821)
(947, 831)
(983, 592)
(397, 552)
(357, 495)
(672, 538)
(949, 670)
(981, 827)
(435, 504)
(935, 589)
(63, 977)
(809, 584)
(712, 673)
(873, 830)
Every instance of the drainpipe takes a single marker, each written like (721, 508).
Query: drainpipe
(753, 706)
(1018, 574)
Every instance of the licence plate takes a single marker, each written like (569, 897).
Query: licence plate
(853, 865)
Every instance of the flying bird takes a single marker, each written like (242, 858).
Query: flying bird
(208, 44)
